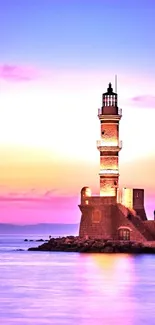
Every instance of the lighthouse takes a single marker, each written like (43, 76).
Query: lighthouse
(103, 215)
(109, 144)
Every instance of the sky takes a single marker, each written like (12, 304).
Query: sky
(56, 59)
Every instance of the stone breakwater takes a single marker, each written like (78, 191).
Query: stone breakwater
(76, 244)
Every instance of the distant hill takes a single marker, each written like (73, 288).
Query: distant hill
(41, 228)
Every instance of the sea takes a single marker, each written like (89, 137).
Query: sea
(59, 288)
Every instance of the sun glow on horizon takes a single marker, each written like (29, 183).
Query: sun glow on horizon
(55, 120)
(53, 71)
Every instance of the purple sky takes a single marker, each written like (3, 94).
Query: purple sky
(56, 59)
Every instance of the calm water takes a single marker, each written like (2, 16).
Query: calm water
(72, 288)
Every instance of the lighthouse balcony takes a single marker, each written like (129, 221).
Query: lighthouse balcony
(109, 172)
(109, 114)
(108, 146)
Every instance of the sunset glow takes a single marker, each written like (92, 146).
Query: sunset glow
(52, 76)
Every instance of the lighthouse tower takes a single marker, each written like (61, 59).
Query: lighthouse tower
(109, 144)
(104, 216)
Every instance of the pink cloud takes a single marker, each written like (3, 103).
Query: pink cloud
(50, 193)
(17, 73)
(32, 195)
(39, 210)
(56, 202)
(144, 101)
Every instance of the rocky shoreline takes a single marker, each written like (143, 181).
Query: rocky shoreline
(77, 244)
(36, 240)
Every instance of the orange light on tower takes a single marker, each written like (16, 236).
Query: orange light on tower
(109, 144)
(127, 197)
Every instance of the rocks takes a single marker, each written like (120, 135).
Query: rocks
(37, 240)
(77, 244)
(108, 249)
(19, 250)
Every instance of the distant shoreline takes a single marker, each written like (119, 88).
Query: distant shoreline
(54, 229)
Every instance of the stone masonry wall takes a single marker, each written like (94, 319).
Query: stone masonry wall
(120, 220)
(150, 225)
(109, 162)
(90, 227)
(106, 223)
(109, 132)
(108, 186)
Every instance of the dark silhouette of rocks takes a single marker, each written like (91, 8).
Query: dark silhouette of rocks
(39, 240)
(19, 250)
(77, 244)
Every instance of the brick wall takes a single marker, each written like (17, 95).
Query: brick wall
(109, 162)
(109, 132)
(89, 226)
(111, 218)
(108, 186)
(138, 198)
(150, 225)
(97, 201)
(138, 231)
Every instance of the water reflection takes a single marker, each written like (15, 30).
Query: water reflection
(115, 274)
(109, 280)
(71, 288)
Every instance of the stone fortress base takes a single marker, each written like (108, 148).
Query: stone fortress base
(104, 217)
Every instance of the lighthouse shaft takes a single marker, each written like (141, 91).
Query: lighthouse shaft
(109, 144)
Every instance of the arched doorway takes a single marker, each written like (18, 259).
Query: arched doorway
(124, 233)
